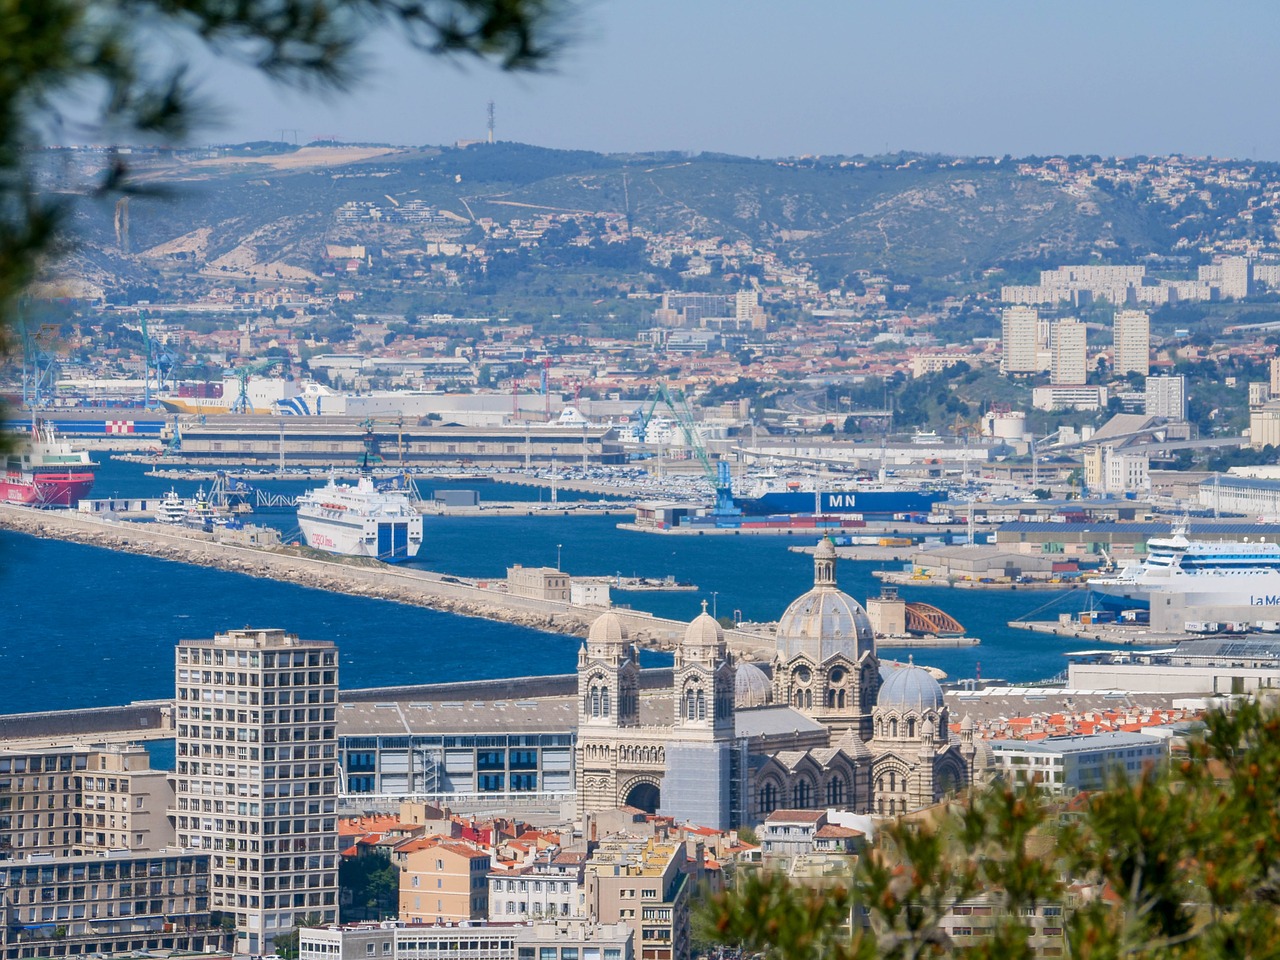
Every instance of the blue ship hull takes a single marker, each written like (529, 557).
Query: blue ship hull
(873, 504)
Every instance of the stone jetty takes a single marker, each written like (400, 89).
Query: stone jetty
(353, 576)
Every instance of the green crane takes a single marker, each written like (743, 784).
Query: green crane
(242, 403)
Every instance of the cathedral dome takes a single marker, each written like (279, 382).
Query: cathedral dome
(910, 689)
(825, 621)
(704, 631)
(751, 686)
(607, 629)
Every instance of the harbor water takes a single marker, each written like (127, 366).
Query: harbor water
(92, 627)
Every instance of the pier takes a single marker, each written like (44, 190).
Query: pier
(354, 576)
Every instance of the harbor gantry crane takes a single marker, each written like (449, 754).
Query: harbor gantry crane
(373, 447)
(718, 476)
(40, 364)
(242, 403)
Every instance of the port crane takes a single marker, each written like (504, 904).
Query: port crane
(373, 447)
(717, 475)
(39, 362)
(242, 403)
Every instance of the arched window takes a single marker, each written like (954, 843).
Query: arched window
(702, 705)
(595, 701)
(799, 698)
(831, 698)
(835, 791)
(911, 727)
(604, 701)
(801, 795)
(769, 798)
(893, 781)
(893, 727)
(690, 704)
(840, 700)
(808, 699)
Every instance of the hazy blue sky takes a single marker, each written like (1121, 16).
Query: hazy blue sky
(833, 76)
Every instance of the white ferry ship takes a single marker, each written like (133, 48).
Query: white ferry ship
(360, 521)
(1219, 573)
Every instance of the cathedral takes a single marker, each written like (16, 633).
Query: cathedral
(726, 744)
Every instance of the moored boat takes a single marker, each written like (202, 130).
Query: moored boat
(361, 521)
(46, 471)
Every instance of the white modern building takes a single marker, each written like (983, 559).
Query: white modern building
(1069, 353)
(1131, 333)
(391, 940)
(1056, 397)
(257, 777)
(1023, 341)
(1064, 766)
(1166, 397)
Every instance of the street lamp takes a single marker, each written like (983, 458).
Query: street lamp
(558, 546)
(714, 607)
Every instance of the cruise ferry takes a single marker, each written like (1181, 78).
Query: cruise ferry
(360, 521)
(1217, 573)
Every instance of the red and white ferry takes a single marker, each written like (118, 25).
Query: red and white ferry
(45, 471)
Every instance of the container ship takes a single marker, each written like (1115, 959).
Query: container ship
(873, 502)
(46, 471)
(361, 521)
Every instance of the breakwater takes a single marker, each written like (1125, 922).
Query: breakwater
(356, 577)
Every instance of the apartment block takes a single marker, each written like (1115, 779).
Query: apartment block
(1021, 336)
(1167, 397)
(122, 902)
(550, 886)
(396, 940)
(1064, 766)
(647, 884)
(1131, 332)
(124, 804)
(256, 780)
(443, 881)
(1069, 353)
(1230, 275)
(39, 800)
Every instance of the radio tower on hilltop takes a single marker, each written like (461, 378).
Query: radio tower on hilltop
(491, 121)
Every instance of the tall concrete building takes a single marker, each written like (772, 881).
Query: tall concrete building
(257, 778)
(1166, 397)
(1275, 377)
(1069, 353)
(1132, 335)
(1020, 333)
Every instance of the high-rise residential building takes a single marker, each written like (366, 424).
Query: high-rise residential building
(1275, 377)
(1022, 341)
(1166, 397)
(1132, 333)
(1069, 353)
(257, 777)
(1230, 275)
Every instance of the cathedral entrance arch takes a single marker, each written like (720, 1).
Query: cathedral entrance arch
(643, 795)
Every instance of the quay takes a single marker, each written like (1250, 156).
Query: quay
(902, 579)
(1101, 632)
(354, 576)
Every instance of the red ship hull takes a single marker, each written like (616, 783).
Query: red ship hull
(45, 489)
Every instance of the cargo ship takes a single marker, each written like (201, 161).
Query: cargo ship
(872, 502)
(46, 471)
(360, 521)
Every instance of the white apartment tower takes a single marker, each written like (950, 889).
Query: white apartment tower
(1132, 332)
(257, 778)
(1021, 340)
(1166, 397)
(1069, 353)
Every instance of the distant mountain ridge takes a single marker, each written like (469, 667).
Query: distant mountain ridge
(924, 218)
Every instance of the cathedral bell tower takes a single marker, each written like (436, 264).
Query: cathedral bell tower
(608, 676)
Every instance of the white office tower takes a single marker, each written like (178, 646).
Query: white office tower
(257, 777)
(1069, 353)
(1022, 340)
(1167, 397)
(1132, 332)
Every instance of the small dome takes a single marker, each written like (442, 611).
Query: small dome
(751, 686)
(825, 550)
(607, 629)
(704, 631)
(910, 689)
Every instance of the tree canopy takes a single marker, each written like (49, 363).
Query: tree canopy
(1182, 861)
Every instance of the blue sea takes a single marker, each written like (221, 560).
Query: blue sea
(91, 627)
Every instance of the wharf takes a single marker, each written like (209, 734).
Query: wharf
(527, 508)
(901, 579)
(354, 576)
(928, 643)
(1128, 635)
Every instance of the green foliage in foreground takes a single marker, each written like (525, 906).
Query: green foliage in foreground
(1182, 862)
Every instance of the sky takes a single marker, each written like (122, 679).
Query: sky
(770, 78)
